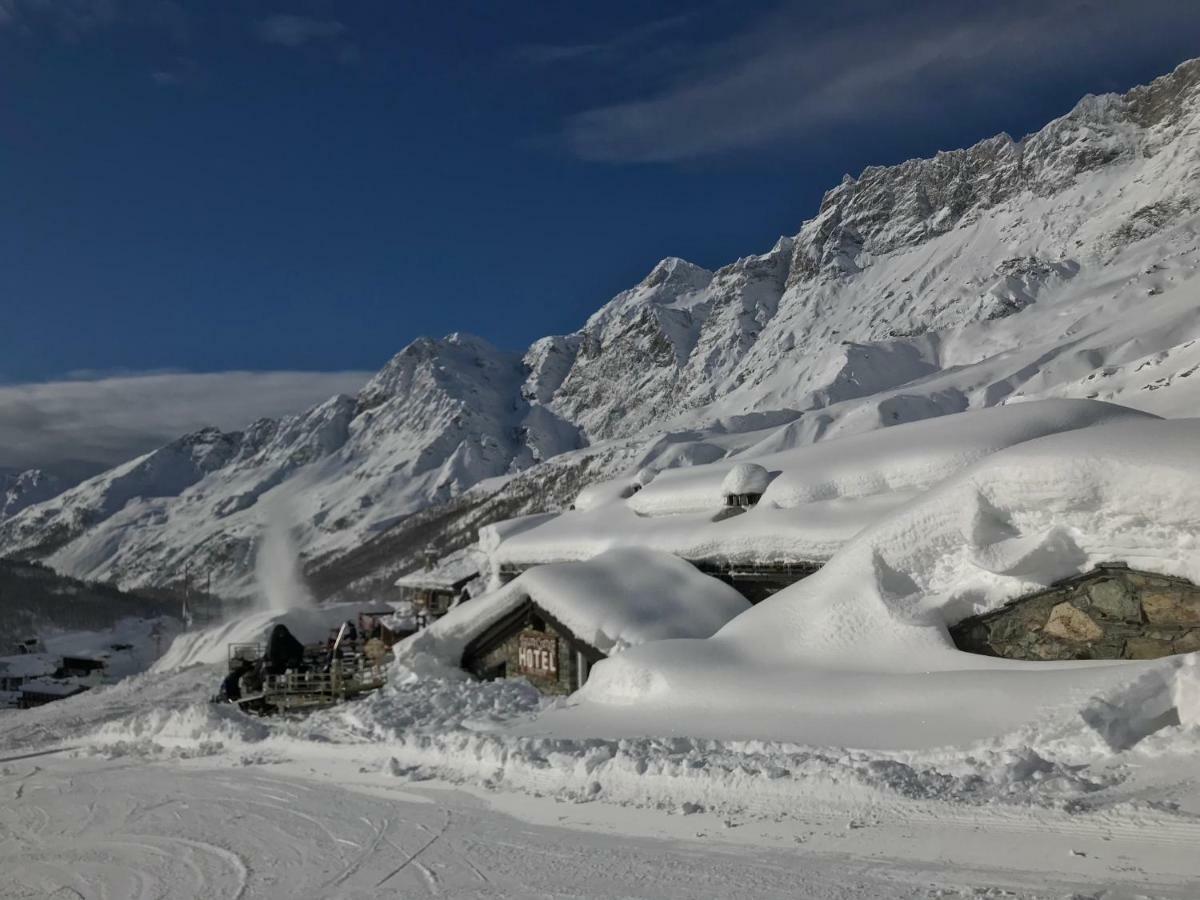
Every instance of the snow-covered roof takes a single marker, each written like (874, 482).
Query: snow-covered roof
(910, 456)
(211, 645)
(28, 665)
(446, 573)
(618, 599)
(52, 688)
(823, 494)
(745, 478)
(870, 628)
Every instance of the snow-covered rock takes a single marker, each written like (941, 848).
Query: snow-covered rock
(867, 636)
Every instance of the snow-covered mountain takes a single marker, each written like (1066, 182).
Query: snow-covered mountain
(21, 489)
(1062, 264)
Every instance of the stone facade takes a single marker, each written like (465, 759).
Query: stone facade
(1112, 612)
(498, 654)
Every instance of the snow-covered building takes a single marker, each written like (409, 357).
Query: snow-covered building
(16, 670)
(554, 622)
(433, 590)
(1029, 533)
(776, 513)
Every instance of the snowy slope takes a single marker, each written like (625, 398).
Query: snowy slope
(21, 489)
(863, 644)
(816, 497)
(1060, 265)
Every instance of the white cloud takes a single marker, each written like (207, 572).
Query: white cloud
(785, 76)
(296, 31)
(110, 419)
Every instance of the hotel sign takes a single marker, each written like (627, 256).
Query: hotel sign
(537, 654)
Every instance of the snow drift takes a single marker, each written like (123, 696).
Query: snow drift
(820, 496)
(860, 652)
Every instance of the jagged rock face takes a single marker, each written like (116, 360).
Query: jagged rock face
(933, 244)
(1006, 269)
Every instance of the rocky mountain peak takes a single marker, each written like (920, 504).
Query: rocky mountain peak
(906, 275)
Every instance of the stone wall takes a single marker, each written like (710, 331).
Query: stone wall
(1112, 612)
(506, 653)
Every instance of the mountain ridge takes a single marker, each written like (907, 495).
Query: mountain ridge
(917, 289)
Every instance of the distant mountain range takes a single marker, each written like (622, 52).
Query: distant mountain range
(1063, 264)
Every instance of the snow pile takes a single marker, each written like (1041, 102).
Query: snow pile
(745, 478)
(859, 652)
(616, 600)
(211, 645)
(821, 497)
(904, 457)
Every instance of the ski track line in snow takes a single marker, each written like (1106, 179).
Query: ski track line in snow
(230, 842)
(433, 840)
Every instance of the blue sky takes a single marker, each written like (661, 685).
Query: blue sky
(285, 186)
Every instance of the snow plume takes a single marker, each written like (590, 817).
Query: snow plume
(277, 564)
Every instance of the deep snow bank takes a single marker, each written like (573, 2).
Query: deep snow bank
(821, 495)
(865, 639)
(911, 456)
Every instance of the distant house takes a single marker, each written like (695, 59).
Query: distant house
(30, 645)
(16, 670)
(433, 590)
(41, 691)
(710, 516)
(80, 667)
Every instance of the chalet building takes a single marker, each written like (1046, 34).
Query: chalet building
(1111, 612)
(531, 643)
(555, 622)
(16, 670)
(433, 590)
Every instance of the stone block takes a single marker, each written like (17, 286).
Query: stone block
(1147, 648)
(1070, 624)
(1114, 600)
(1189, 642)
(1172, 607)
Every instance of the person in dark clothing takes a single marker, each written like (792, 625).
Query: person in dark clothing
(283, 652)
(231, 691)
